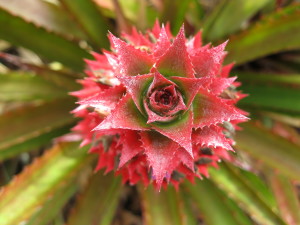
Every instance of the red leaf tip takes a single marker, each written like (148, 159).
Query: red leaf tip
(157, 108)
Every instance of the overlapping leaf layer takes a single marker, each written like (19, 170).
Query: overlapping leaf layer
(154, 107)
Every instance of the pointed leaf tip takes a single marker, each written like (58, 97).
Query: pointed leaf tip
(210, 110)
(136, 85)
(211, 137)
(132, 61)
(179, 131)
(131, 146)
(175, 61)
(161, 154)
(163, 43)
(208, 61)
(124, 116)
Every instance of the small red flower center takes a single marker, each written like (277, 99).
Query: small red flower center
(163, 97)
(166, 101)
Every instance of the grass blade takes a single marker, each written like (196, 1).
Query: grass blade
(89, 18)
(189, 209)
(214, 205)
(33, 187)
(54, 206)
(260, 78)
(232, 14)
(44, 14)
(174, 12)
(271, 98)
(42, 42)
(276, 32)
(98, 203)
(286, 197)
(162, 207)
(244, 193)
(50, 119)
(273, 150)
(16, 86)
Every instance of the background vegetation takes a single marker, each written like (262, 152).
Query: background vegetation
(49, 182)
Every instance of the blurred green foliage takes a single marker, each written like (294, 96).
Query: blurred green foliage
(42, 46)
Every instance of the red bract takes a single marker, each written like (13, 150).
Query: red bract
(158, 108)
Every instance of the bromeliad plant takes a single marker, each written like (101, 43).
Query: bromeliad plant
(139, 92)
(164, 104)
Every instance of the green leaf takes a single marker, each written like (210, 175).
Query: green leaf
(59, 78)
(286, 196)
(195, 14)
(45, 14)
(161, 207)
(130, 8)
(175, 12)
(145, 16)
(121, 19)
(16, 86)
(287, 119)
(245, 194)
(180, 15)
(273, 150)
(28, 144)
(286, 79)
(229, 16)
(214, 205)
(54, 205)
(44, 43)
(59, 220)
(257, 183)
(276, 32)
(31, 125)
(188, 207)
(54, 73)
(141, 13)
(62, 78)
(98, 202)
(272, 98)
(90, 19)
(33, 187)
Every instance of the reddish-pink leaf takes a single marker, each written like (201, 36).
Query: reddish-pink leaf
(179, 131)
(190, 87)
(131, 146)
(163, 43)
(208, 62)
(226, 70)
(210, 110)
(156, 29)
(124, 116)
(132, 61)
(211, 136)
(218, 84)
(137, 38)
(106, 99)
(136, 85)
(194, 43)
(161, 154)
(176, 61)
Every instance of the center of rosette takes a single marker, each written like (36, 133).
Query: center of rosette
(162, 100)
(164, 103)
(163, 97)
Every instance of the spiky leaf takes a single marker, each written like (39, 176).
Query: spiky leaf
(276, 32)
(44, 43)
(35, 185)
